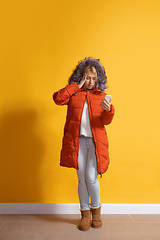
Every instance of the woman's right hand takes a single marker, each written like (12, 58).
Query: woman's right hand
(82, 81)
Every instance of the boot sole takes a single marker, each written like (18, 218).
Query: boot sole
(96, 226)
(83, 229)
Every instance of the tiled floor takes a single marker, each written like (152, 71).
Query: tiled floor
(64, 227)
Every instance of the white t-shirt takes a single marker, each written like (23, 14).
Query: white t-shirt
(85, 127)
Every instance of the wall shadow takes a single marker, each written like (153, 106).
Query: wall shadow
(21, 153)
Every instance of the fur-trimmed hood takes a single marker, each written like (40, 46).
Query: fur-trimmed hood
(79, 70)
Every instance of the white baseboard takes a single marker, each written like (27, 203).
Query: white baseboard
(74, 208)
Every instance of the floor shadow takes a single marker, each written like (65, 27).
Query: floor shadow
(71, 219)
(21, 152)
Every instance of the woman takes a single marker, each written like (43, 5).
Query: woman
(85, 142)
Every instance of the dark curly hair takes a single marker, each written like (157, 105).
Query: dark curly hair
(79, 70)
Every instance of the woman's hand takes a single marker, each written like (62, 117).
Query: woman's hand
(82, 81)
(105, 104)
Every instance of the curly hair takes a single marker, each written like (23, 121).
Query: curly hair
(79, 71)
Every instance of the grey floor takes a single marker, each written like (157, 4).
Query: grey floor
(50, 227)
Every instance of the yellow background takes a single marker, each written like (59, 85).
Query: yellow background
(40, 44)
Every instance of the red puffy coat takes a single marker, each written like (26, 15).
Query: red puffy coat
(75, 99)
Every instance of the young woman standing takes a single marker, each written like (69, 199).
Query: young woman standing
(85, 142)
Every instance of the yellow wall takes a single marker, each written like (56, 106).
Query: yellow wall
(40, 44)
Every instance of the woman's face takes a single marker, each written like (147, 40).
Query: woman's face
(91, 80)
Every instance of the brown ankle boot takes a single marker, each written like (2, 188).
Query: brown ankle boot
(85, 221)
(96, 217)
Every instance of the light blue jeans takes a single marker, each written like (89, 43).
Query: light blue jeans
(88, 184)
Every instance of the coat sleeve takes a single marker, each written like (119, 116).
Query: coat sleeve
(107, 116)
(62, 96)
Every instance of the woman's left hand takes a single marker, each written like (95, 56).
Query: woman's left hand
(105, 104)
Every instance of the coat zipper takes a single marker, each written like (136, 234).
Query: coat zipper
(93, 134)
(79, 129)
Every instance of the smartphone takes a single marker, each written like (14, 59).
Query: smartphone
(108, 97)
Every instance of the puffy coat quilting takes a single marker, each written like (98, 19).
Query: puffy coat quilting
(75, 98)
